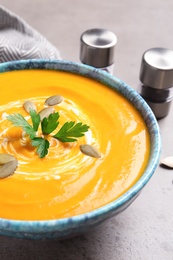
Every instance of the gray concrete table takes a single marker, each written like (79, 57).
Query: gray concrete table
(145, 230)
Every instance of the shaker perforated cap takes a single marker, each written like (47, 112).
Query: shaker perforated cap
(157, 68)
(97, 47)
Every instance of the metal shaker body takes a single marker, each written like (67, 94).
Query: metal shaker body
(97, 48)
(156, 76)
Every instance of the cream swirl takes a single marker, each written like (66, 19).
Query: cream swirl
(63, 158)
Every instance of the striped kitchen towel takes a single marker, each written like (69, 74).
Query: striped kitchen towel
(19, 41)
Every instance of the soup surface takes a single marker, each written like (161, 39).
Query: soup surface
(66, 182)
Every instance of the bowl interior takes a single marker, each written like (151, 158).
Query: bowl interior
(77, 224)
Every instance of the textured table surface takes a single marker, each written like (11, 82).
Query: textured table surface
(145, 230)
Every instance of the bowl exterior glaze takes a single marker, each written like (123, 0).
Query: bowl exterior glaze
(68, 227)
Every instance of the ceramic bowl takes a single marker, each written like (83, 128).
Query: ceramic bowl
(67, 227)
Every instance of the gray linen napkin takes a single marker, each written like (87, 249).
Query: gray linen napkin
(19, 41)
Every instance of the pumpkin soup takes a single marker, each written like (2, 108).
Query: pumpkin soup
(67, 182)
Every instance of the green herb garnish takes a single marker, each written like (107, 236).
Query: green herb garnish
(67, 133)
(48, 125)
(42, 145)
(19, 120)
(35, 119)
(70, 130)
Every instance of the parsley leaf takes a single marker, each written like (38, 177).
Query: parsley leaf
(19, 120)
(70, 130)
(35, 119)
(42, 146)
(67, 133)
(49, 124)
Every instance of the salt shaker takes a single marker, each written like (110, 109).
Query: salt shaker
(156, 76)
(97, 48)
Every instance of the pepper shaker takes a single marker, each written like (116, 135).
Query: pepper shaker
(97, 47)
(156, 76)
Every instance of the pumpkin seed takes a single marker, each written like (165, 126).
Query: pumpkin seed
(168, 161)
(5, 158)
(29, 105)
(54, 100)
(45, 112)
(90, 150)
(8, 169)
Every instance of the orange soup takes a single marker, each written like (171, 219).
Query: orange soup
(66, 182)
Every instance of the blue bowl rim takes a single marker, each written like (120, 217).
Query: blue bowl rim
(42, 226)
